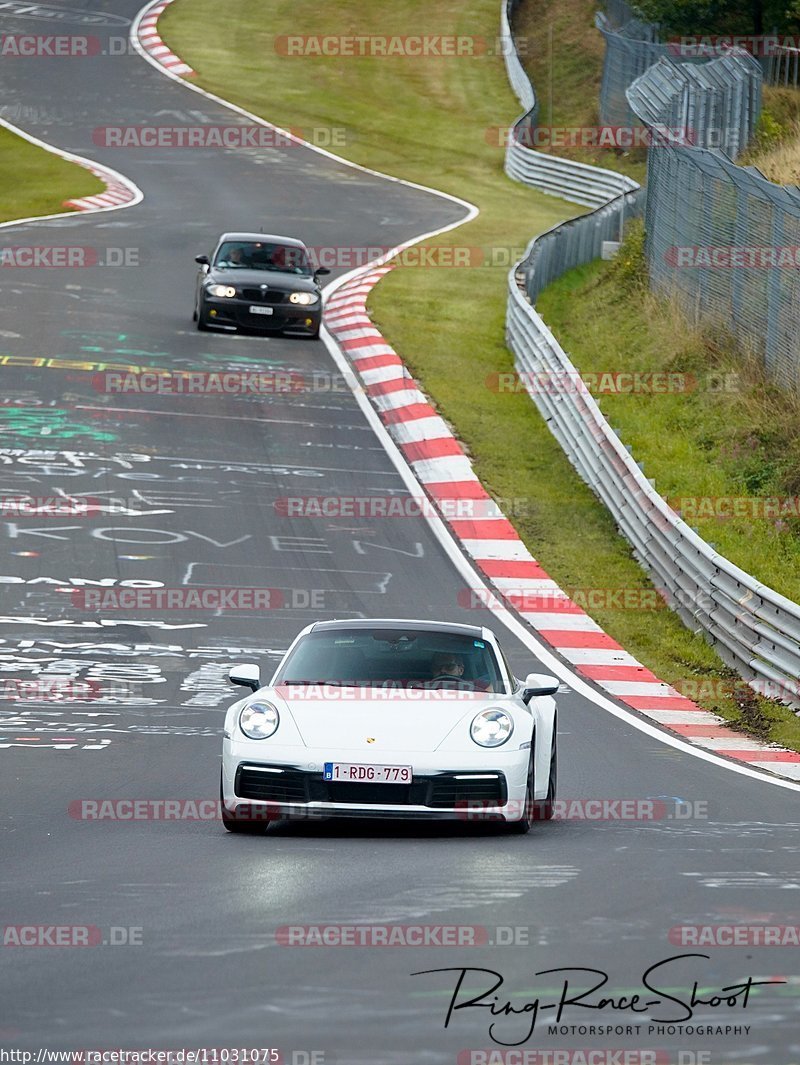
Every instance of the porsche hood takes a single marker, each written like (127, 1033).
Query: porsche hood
(380, 722)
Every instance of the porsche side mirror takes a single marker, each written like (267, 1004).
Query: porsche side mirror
(246, 674)
(203, 260)
(321, 271)
(539, 684)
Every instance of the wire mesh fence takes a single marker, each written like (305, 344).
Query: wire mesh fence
(720, 238)
(632, 44)
(782, 66)
(632, 47)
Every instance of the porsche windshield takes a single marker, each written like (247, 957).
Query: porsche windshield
(262, 255)
(402, 658)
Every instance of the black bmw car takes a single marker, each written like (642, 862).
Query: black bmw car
(256, 281)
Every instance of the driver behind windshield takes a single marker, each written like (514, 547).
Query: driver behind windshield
(447, 664)
(235, 257)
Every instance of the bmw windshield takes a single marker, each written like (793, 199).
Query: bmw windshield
(258, 255)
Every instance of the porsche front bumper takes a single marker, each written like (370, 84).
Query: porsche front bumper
(476, 788)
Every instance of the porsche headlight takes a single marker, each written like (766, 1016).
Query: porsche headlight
(305, 299)
(491, 728)
(259, 720)
(221, 290)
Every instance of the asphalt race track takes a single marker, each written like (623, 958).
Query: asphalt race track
(201, 476)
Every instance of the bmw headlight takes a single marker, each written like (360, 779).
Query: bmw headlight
(259, 720)
(221, 290)
(490, 728)
(305, 299)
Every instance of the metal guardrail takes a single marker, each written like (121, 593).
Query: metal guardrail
(754, 629)
(583, 184)
(590, 186)
(575, 242)
(520, 82)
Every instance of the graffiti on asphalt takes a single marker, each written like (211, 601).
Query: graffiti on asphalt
(112, 689)
(51, 422)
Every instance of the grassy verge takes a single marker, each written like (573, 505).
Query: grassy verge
(426, 120)
(37, 182)
(776, 148)
(732, 436)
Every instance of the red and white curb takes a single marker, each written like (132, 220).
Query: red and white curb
(155, 47)
(117, 191)
(493, 544)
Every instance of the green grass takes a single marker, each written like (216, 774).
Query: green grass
(35, 182)
(738, 438)
(776, 146)
(426, 120)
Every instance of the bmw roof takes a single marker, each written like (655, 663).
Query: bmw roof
(264, 238)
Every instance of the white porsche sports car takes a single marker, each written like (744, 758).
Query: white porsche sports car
(385, 718)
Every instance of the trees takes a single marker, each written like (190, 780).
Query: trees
(707, 17)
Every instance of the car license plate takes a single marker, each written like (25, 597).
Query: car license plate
(261, 310)
(367, 774)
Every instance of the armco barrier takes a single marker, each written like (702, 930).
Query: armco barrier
(590, 186)
(754, 629)
(575, 242)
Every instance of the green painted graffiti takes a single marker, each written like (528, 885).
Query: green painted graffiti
(54, 423)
